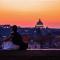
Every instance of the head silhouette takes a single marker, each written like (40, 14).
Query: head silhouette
(14, 28)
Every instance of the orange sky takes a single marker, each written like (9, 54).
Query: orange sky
(27, 12)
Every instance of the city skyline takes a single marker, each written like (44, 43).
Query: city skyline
(26, 13)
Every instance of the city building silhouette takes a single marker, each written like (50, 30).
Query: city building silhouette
(36, 35)
(39, 24)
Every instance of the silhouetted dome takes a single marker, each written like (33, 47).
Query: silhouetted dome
(39, 22)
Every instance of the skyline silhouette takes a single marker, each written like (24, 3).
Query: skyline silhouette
(38, 22)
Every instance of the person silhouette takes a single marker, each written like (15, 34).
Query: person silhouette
(17, 39)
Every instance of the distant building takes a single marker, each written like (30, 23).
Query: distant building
(5, 26)
(39, 24)
(40, 28)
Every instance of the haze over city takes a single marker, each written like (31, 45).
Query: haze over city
(26, 13)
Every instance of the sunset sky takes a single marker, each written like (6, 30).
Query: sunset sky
(26, 13)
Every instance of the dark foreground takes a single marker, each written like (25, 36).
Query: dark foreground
(27, 54)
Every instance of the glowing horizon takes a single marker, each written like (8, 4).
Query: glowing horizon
(27, 12)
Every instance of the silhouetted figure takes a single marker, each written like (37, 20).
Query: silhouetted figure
(17, 39)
